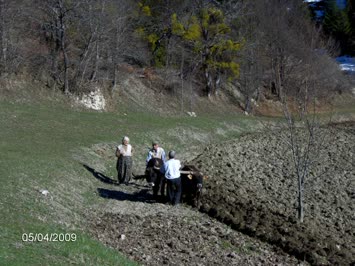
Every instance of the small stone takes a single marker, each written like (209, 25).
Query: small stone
(123, 237)
(232, 255)
(44, 192)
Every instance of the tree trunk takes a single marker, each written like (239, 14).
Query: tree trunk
(247, 104)
(83, 62)
(278, 78)
(217, 82)
(54, 65)
(114, 79)
(66, 62)
(300, 200)
(208, 82)
(63, 48)
(207, 73)
(55, 47)
(96, 67)
(182, 80)
(115, 55)
(66, 68)
(3, 42)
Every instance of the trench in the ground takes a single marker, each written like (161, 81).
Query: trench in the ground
(303, 240)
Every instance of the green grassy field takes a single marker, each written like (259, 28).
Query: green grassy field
(45, 147)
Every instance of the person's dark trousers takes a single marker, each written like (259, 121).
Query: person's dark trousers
(174, 190)
(124, 169)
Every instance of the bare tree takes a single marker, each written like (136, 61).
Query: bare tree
(301, 147)
(301, 133)
(251, 67)
(61, 13)
(57, 15)
(119, 32)
(90, 20)
(11, 28)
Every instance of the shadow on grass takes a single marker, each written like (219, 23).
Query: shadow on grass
(108, 180)
(141, 196)
(99, 175)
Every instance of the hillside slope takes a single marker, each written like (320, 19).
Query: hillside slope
(45, 147)
(50, 145)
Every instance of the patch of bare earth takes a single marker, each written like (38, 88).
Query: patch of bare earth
(249, 203)
(252, 189)
(152, 233)
(158, 234)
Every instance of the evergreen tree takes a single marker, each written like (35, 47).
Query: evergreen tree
(338, 24)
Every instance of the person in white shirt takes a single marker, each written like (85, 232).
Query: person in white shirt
(155, 152)
(171, 171)
(124, 154)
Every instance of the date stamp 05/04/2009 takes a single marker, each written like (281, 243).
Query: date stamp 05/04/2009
(48, 237)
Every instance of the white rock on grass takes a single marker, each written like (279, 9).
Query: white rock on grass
(192, 114)
(44, 192)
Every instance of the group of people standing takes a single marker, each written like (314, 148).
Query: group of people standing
(170, 168)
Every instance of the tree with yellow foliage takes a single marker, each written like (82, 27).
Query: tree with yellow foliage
(154, 28)
(207, 34)
(202, 31)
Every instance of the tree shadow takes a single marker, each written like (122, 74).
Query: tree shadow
(100, 176)
(141, 196)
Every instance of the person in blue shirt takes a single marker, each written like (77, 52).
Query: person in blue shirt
(171, 169)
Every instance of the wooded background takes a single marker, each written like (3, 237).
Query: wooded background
(253, 45)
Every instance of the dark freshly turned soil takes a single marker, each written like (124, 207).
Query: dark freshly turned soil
(251, 188)
(157, 234)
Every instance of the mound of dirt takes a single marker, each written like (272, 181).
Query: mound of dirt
(251, 188)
